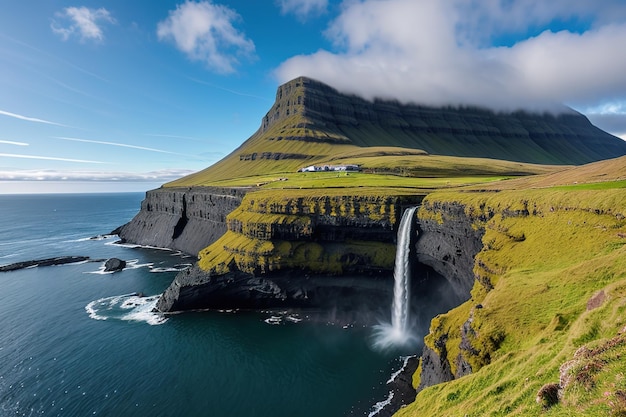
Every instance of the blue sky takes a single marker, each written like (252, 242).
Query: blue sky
(126, 95)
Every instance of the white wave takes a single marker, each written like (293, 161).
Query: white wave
(379, 406)
(283, 318)
(274, 320)
(134, 264)
(96, 238)
(175, 268)
(91, 310)
(101, 305)
(124, 245)
(85, 261)
(131, 264)
(137, 246)
(293, 318)
(399, 371)
(128, 307)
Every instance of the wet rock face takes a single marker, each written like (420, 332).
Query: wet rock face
(339, 300)
(450, 246)
(435, 368)
(448, 242)
(185, 219)
(61, 260)
(114, 265)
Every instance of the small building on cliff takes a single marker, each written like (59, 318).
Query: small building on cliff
(321, 168)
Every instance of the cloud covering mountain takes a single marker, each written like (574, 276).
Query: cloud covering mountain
(500, 54)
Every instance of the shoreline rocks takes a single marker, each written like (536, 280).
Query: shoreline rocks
(60, 260)
(114, 265)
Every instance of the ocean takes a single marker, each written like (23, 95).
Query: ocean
(75, 341)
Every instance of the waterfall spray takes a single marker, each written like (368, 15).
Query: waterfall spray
(397, 333)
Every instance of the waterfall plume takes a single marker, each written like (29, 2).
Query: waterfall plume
(397, 332)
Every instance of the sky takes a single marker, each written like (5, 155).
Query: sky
(118, 95)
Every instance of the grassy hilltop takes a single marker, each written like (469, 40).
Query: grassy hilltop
(547, 305)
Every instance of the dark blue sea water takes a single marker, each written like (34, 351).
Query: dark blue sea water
(76, 342)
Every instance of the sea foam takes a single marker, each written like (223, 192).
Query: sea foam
(127, 307)
(379, 406)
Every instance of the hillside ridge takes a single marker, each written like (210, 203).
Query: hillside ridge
(311, 121)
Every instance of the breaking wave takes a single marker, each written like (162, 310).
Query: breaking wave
(282, 319)
(379, 406)
(127, 307)
(92, 238)
(134, 264)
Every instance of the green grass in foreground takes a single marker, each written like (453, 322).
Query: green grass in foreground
(545, 267)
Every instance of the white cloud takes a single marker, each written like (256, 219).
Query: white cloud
(82, 22)
(303, 8)
(437, 52)
(11, 142)
(164, 175)
(205, 32)
(122, 145)
(49, 158)
(610, 116)
(30, 119)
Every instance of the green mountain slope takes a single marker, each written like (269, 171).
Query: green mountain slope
(312, 122)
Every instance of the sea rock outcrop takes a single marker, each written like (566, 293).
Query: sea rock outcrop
(59, 260)
(114, 265)
(340, 300)
(185, 219)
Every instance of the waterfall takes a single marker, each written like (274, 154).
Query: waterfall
(397, 333)
(402, 274)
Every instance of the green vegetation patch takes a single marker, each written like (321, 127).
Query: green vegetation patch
(607, 185)
(257, 256)
(547, 255)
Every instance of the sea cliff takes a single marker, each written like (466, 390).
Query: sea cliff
(295, 249)
(185, 219)
(542, 258)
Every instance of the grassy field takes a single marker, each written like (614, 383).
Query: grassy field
(394, 168)
(539, 324)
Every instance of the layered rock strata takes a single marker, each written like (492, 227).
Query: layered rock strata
(289, 250)
(562, 137)
(185, 219)
(448, 242)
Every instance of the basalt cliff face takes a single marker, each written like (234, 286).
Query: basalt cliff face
(290, 250)
(184, 219)
(535, 262)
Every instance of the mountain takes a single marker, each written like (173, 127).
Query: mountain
(311, 122)
(522, 280)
